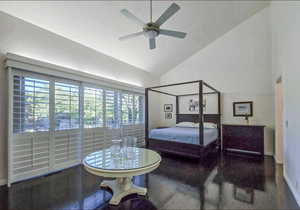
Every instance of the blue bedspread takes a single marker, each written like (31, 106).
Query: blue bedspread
(185, 135)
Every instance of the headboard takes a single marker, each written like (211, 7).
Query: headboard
(187, 118)
(213, 118)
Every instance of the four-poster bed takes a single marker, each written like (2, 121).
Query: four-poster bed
(182, 141)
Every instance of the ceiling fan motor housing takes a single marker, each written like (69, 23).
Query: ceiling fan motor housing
(151, 30)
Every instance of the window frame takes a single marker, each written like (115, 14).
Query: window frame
(66, 82)
(81, 88)
(24, 74)
(103, 106)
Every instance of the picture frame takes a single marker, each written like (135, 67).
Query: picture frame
(243, 109)
(193, 105)
(168, 107)
(168, 115)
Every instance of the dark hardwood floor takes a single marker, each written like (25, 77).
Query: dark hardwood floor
(221, 182)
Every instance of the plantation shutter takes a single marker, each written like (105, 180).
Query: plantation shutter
(111, 109)
(55, 122)
(132, 109)
(112, 112)
(138, 109)
(30, 138)
(93, 107)
(67, 124)
(127, 108)
(94, 131)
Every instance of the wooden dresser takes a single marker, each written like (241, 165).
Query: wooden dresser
(243, 138)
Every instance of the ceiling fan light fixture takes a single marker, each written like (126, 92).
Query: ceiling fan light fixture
(151, 34)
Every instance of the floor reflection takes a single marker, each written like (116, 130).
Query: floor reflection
(220, 182)
(132, 203)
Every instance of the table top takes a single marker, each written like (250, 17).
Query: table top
(137, 158)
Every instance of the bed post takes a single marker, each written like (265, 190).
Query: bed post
(219, 123)
(219, 103)
(177, 108)
(201, 136)
(146, 117)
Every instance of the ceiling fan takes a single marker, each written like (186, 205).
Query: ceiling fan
(152, 29)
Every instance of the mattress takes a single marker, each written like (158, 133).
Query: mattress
(184, 135)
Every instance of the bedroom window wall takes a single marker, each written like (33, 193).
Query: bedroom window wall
(55, 122)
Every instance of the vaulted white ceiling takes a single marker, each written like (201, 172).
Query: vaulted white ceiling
(98, 24)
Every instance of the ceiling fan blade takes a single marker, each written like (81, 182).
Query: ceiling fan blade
(152, 44)
(132, 17)
(167, 14)
(129, 36)
(176, 34)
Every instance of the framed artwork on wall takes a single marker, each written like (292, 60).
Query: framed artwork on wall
(168, 115)
(168, 107)
(190, 104)
(243, 109)
(193, 105)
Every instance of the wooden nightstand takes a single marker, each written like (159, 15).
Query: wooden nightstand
(243, 138)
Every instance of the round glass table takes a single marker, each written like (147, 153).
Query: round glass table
(136, 161)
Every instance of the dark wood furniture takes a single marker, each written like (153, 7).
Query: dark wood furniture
(243, 138)
(185, 149)
(162, 127)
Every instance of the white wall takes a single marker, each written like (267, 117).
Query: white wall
(3, 122)
(239, 65)
(19, 37)
(154, 109)
(166, 99)
(22, 38)
(285, 25)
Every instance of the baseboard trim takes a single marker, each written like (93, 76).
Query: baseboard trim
(3, 182)
(291, 186)
(277, 162)
(269, 154)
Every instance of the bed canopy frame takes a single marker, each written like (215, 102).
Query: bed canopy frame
(186, 149)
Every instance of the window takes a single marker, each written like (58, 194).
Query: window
(127, 108)
(47, 132)
(93, 107)
(101, 107)
(66, 106)
(111, 108)
(30, 105)
(138, 109)
(132, 109)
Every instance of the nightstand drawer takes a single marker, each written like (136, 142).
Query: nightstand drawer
(246, 138)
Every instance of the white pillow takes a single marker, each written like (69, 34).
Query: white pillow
(196, 125)
(186, 124)
(210, 125)
(207, 125)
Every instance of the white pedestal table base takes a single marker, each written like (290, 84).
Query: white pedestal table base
(122, 187)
